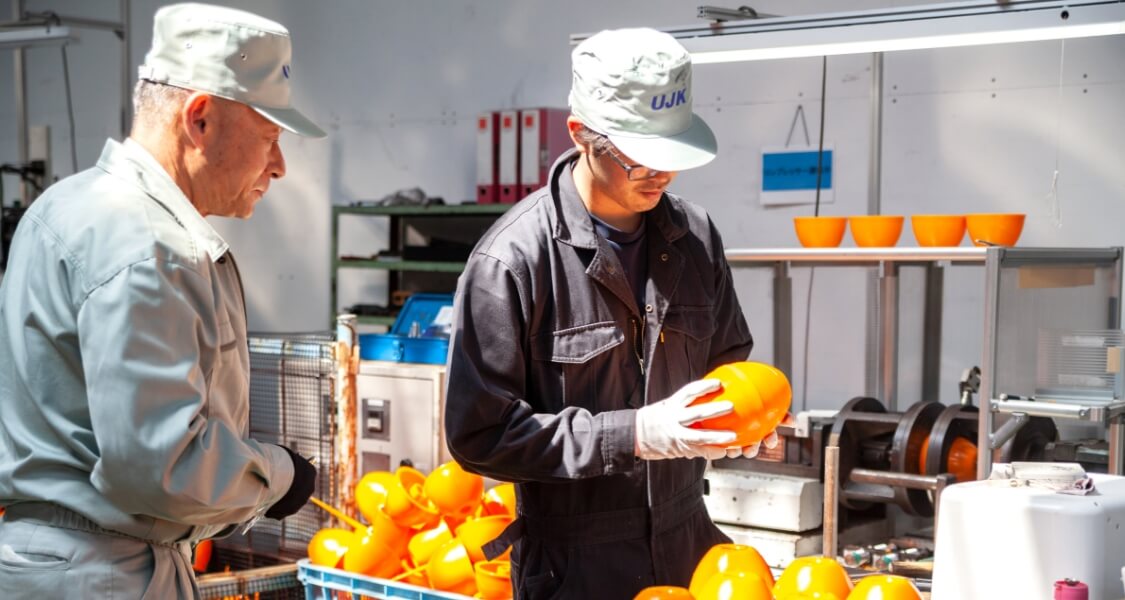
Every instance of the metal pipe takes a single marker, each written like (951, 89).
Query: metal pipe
(1006, 432)
(831, 499)
(888, 336)
(19, 84)
(114, 26)
(931, 333)
(875, 149)
(126, 72)
(988, 360)
(909, 481)
(783, 319)
(1116, 436)
(1043, 409)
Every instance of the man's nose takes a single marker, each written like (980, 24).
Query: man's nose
(277, 162)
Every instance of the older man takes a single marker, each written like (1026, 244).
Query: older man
(124, 366)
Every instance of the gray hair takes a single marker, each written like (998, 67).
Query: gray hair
(155, 104)
(598, 142)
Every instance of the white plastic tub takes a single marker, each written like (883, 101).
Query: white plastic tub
(998, 541)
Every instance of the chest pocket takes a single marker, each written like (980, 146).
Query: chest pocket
(576, 367)
(687, 341)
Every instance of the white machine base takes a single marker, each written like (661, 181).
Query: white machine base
(779, 548)
(778, 502)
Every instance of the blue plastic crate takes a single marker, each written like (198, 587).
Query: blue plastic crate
(414, 337)
(322, 583)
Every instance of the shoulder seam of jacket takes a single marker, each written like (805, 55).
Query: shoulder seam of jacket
(70, 257)
(130, 265)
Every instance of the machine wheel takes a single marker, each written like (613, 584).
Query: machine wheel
(906, 452)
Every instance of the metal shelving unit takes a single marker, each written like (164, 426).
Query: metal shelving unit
(1026, 290)
(399, 217)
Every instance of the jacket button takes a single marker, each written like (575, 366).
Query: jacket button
(664, 257)
(222, 259)
(648, 308)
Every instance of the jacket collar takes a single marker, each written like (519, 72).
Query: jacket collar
(573, 225)
(133, 164)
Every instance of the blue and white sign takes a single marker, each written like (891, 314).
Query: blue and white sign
(789, 175)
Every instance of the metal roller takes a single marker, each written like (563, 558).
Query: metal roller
(955, 422)
(906, 451)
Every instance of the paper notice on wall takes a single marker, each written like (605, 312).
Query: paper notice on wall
(789, 175)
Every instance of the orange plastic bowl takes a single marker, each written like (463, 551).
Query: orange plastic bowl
(996, 229)
(820, 232)
(406, 503)
(424, 543)
(454, 490)
(664, 592)
(885, 587)
(494, 579)
(478, 532)
(760, 394)
(499, 500)
(809, 574)
(451, 570)
(938, 230)
(370, 556)
(389, 532)
(875, 231)
(328, 546)
(729, 558)
(371, 492)
(739, 585)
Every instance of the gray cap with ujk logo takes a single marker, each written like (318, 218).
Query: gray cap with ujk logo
(228, 53)
(634, 87)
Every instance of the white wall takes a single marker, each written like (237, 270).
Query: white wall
(398, 84)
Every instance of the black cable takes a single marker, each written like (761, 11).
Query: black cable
(820, 151)
(70, 112)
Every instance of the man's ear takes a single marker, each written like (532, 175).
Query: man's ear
(196, 116)
(573, 126)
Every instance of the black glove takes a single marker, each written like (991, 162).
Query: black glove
(304, 482)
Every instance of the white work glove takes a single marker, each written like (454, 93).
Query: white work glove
(770, 442)
(662, 427)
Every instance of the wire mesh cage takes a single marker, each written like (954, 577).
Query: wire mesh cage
(278, 582)
(292, 403)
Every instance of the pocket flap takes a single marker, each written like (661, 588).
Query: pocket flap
(578, 344)
(696, 322)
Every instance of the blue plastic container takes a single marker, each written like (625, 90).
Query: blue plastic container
(414, 337)
(321, 583)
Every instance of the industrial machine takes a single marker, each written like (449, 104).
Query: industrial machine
(900, 459)
(399, 416)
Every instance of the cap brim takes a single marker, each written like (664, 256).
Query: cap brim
(693, 148)
(291, 120)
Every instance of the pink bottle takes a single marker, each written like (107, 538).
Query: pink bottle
(1069, 589)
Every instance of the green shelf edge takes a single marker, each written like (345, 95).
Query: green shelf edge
(435, 210)
(401, 265)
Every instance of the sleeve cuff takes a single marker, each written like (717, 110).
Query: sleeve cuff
(619, 440)
(280, 475)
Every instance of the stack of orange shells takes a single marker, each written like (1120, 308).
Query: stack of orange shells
(425, 530)
(737, 571)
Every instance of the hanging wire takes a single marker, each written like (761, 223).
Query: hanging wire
(816, 212)
(820, 149)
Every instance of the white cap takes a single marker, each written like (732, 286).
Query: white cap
(634, 87)
(228, 53)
